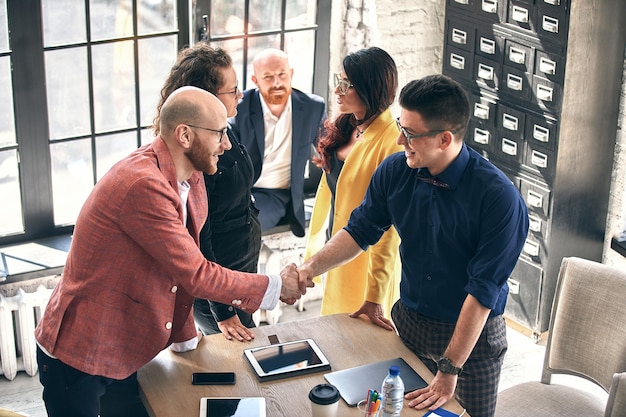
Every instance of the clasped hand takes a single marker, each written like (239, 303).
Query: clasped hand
(294, 285)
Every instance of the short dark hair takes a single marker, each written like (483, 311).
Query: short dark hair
(441, 101)
(198, 66)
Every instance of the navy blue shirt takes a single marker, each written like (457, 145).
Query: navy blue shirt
(454, 241)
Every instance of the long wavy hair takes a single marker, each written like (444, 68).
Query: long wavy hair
(199, 66)
(374, 77)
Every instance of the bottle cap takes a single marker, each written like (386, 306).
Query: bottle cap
(394, 370)
(324, 394)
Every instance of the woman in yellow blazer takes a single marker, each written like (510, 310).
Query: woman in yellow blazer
(355, 144)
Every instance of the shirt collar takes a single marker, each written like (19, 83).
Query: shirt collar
(452, 174)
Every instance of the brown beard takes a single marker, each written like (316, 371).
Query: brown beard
(271, 98)
(201, 158)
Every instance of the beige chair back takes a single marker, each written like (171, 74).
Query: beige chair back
(616, 404)
(588, 324)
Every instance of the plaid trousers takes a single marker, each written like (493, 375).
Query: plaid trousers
(477, 386)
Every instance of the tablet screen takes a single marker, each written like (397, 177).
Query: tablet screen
(232, 407)
(286, 359)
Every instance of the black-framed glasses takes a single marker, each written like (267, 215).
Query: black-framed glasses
(235, 92)
(221, 132)
(343, 85)
(410, 136)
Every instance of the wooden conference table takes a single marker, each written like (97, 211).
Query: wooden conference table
(165, 382)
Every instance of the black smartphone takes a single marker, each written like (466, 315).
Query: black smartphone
(213, 378)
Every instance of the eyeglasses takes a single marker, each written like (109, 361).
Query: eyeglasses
(235, 92)
(221, 132)
(343, 85)
(410, 136)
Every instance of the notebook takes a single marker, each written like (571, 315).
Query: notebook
(353, 383)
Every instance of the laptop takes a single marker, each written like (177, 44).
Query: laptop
(353, 383)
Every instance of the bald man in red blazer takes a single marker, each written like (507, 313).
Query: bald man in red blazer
(134, 265)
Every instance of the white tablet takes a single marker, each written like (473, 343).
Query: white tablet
(287, 359)
(232, 407)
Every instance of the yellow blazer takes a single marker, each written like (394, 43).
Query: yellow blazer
(375, 274)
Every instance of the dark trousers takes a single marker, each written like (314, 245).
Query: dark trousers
(68, 392)
(272, 205)
(477, 386)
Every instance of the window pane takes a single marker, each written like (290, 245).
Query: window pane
(11, 207)
(147, 136)
(300, 13)
(111, 148)
(234, 47)
(4, 34)
(156, 57)
(264, 15)
(110, 20)
(154, 16)
(301, 49)
(72, 178)
(225, 18)
(67, 90)
(57, 16)
(114, 86)
(7, 124)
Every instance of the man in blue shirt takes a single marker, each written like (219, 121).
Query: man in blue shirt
(462, 225)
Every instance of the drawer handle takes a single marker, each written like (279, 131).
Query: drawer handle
(457, 61)
(513, 286)
(541, 133)
(544, 93)
(539, 159)
(481, 111)
(517, 55)
(531, 248)
(490, 6)
(510, 122)
(462, 1)
(514, 82)
(550, 24)
(547, 66)
(481, 136)
(459, 36)
(485, 72)
(509, 147)
(488, 46)
(553, 2)
(534, 199)
(520, 14)
(534, 224)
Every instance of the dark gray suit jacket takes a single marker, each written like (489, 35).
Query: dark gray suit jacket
(308, 115)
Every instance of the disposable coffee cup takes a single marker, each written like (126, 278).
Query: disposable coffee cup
(324, 400)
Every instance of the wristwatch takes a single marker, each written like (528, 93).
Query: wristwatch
(445, 365)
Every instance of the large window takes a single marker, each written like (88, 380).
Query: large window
(80, 81)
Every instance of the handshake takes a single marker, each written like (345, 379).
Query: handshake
(295, 282)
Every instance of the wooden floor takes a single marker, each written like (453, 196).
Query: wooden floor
(522, 362)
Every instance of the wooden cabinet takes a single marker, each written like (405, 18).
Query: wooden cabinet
(544, 78)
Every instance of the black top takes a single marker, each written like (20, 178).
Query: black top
(332, 177)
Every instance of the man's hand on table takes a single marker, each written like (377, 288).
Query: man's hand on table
(440, 390)
(233, 328)
(374, 312)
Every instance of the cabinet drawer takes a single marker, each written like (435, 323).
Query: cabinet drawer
(483, 109)
(461, 35)
(552, 24)
(489, 45)
(519, 56)
(458, 63)
(509, 148)
(525, 286)
(537, 226)
(541, 130)
(480, 136)
(522, 15)
(467, 6)
(547, 94)
(540, 161)
(550, 66)
(537, 198)
(516, 83)
(493, 10)
(510, 121)
(487, 73)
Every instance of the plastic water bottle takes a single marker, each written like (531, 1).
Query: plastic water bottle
(393, 393)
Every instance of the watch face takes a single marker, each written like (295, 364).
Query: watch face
(445, 365)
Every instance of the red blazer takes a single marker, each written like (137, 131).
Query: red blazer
(133, 270)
